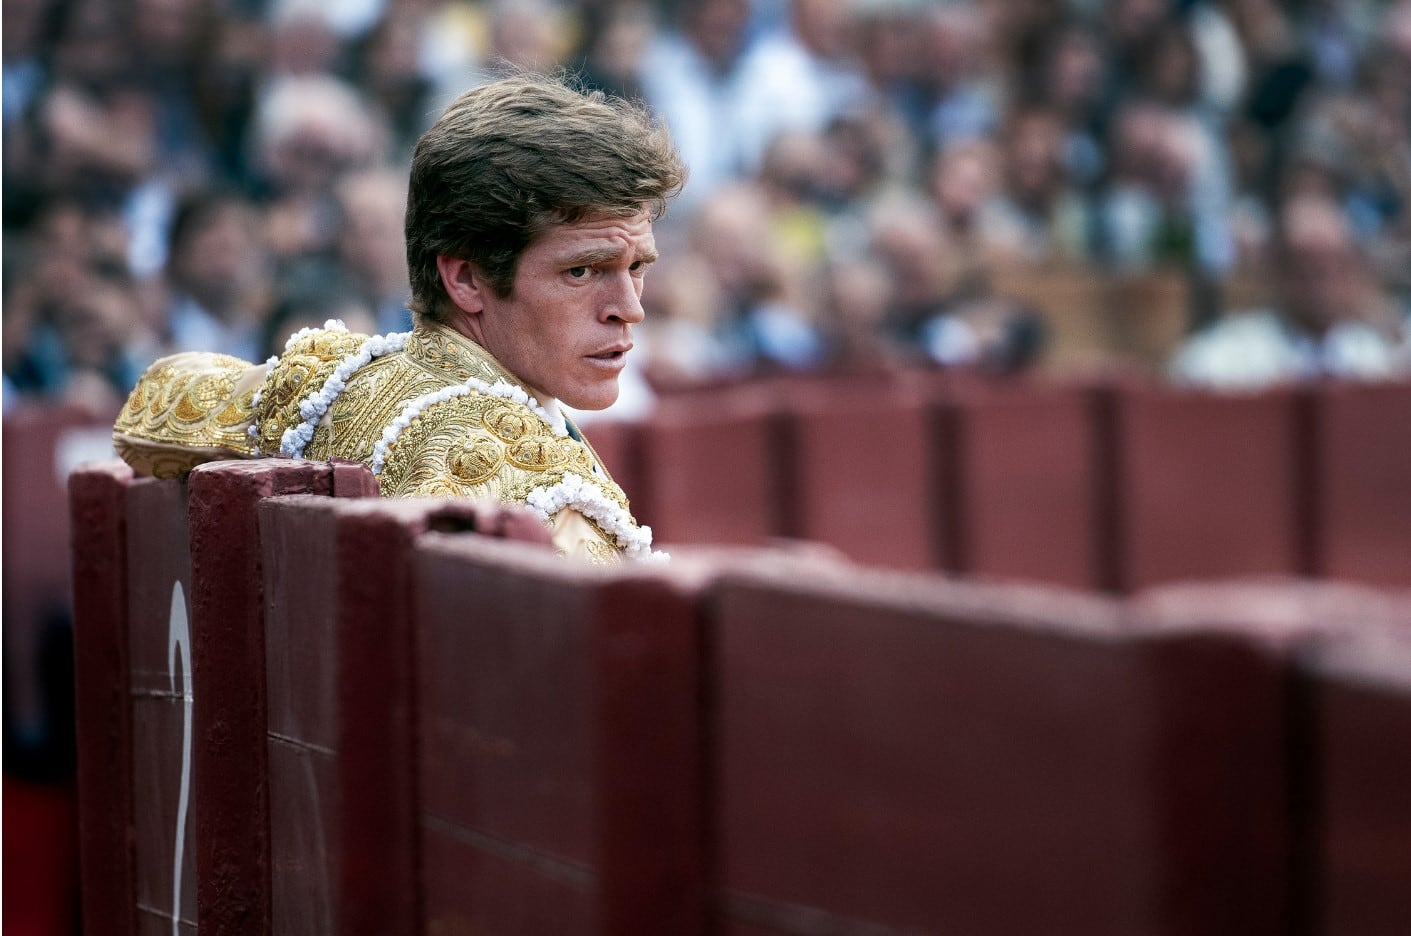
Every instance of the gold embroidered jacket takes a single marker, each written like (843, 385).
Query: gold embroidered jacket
(434, 414)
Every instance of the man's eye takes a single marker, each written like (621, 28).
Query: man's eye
(637, 266)
(578, 272)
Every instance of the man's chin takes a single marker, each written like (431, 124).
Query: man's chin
(597, 398)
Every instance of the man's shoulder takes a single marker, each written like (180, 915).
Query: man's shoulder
(303, 383)
(187, 408)
(476, 433)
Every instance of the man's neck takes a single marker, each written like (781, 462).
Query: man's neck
(461, 327)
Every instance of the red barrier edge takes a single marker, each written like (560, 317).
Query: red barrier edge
(648, 648)
(228, 665)
(98, 511)
(376, 680)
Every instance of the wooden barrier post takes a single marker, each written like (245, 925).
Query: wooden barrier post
(901, 754)
(103, 709)
(1018, 471)
(559, 773)
(1361, 474)
(863, 478)
(341, 680)
(1199, 485)
(1355, 869)
(703, 472)
(231, 813)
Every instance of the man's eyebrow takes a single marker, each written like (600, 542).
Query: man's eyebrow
(593, 256)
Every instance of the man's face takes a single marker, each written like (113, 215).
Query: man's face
(566, 326)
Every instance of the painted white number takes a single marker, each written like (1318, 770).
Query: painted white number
(179, 644)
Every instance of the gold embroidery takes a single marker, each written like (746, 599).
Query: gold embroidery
(509, 421)
(600, 553)
(235, 413)
(537, 453)
(476, 458)
(172, 412)
(186, 410)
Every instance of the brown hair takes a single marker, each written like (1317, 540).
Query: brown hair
(512, 158)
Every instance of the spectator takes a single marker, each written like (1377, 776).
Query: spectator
(371, 248)
(690, 76)
(1112, 135)
(617, 35)
(856, 305)
(218, 278)
(82, 344)
(963, 91)
(1333, 320)
(801, 77)
(767, 322)
(309, 132)
(962, 182)
(1039, 217)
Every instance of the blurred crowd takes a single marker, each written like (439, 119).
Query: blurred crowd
(213, 174)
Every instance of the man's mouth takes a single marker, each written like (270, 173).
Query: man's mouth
(613, 355)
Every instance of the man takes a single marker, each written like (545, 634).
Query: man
(1334, 319)
(529, 233)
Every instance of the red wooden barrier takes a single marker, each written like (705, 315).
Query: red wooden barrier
(1359, 722)
(1245, 864)
(1023, 484)
(862, 474)
(559, 774)
(160, 640)
(1205, 486)
(396, 729)
(171, 625)
(103, 710)
(902, 755)
(1362, 472)
(707, 471)
(229, 766)
(340, 678)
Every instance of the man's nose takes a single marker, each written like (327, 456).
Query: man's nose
(622, 302)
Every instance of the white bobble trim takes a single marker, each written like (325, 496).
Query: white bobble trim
(414, 408)
(313, 407)
(584, 496)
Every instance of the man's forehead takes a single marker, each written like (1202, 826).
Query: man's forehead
(603, 233)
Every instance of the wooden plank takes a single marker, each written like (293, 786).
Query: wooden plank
(340, 678)
(1362, 482)
(1358, 706)
(1206, 485)
(558, 766)
(1025, 469)
(229, 755)
(103, 713)
(897, 754)
(162, 686)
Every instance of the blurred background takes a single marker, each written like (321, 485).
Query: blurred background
(1211, 192)
(1214, 190)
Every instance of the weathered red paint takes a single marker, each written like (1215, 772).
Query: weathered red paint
(558, 757)
(1021, 459)
(1361, 466)
(98, 508)
(158, 557)
(230, 763)
(1206, 485)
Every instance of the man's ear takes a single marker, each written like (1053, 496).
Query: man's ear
(463, 282)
